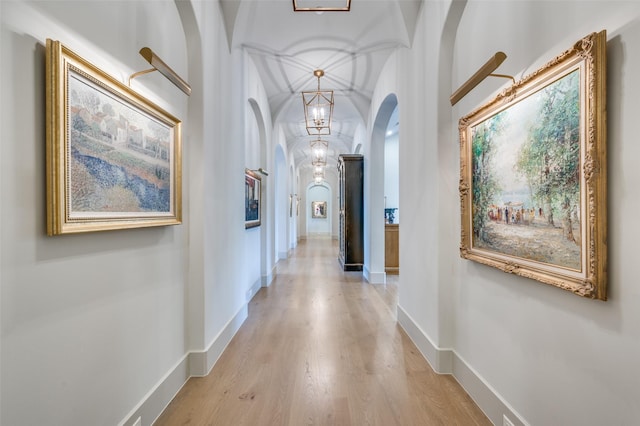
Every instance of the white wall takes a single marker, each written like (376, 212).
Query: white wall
(291, 217)
(306, 182)
(414, 81)
(253, 243)
(104, 327)
(259, 147)
(384, 102)
(282, 203)
(109, 325)
(552, 351)
(90, 323)
(277, 175)
(217, 173)
(392, 175)
(331, 180)
(537, 353)
(321, 226)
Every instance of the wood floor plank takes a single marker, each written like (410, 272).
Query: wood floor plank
(322, 347)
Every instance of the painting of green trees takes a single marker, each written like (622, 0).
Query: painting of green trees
(525, 173)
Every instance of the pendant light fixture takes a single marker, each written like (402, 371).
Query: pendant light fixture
(319, 149)
(318, 109)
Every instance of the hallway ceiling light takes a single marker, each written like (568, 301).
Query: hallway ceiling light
(321, 5)
(318, 174)
(318, 109)
(319, 149)
(319, 163)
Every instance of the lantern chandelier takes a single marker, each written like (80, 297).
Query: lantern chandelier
(319, 162)
(318, 109)
(318, 174)
(319, 149)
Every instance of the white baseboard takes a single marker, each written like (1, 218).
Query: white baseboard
(439, 359)
(253, 289)
(443, 361)
(282, 255)
(192, 364)
(489, 401)
(374, 277)
(268, 279)
(447, 361)
(157, 399)
(201, 363)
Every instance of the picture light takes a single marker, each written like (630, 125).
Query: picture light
(485, 71)
(159, 65)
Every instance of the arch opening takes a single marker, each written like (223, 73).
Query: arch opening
(376, 202)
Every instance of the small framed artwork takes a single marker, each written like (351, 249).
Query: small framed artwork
(252, 189)
(319, 209)
(114, 159)
(290, 205)
(533, 175)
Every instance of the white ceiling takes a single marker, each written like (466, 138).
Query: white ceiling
(351, 47)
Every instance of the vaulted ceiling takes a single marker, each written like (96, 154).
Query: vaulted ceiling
(351, 47)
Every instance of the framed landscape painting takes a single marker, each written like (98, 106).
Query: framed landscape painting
(533, 174)
(114, 159)
(252, 188)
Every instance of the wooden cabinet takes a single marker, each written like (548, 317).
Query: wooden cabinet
(391, 252)
(351, 229)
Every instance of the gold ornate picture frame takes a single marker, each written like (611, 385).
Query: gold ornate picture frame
(114, 159)
(533, 187)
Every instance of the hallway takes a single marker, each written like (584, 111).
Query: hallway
(322, 347)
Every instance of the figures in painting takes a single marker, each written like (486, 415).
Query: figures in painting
(526, 179)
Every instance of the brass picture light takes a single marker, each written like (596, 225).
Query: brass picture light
(159, 65)
(261, 171)
(485, 71)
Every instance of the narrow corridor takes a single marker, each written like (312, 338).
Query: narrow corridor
(322, 347)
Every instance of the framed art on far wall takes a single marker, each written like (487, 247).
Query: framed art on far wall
(114, 159)
(533, 174)
(319, 209)
(252, 189)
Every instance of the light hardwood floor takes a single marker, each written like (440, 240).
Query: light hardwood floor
(322, 347)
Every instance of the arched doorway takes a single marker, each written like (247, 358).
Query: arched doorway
(255, 157)
(392, 195)
(292, 238)
(375, 261)
(319, 211)
(281, 204)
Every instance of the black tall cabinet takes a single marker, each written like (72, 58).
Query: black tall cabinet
(350, 171)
